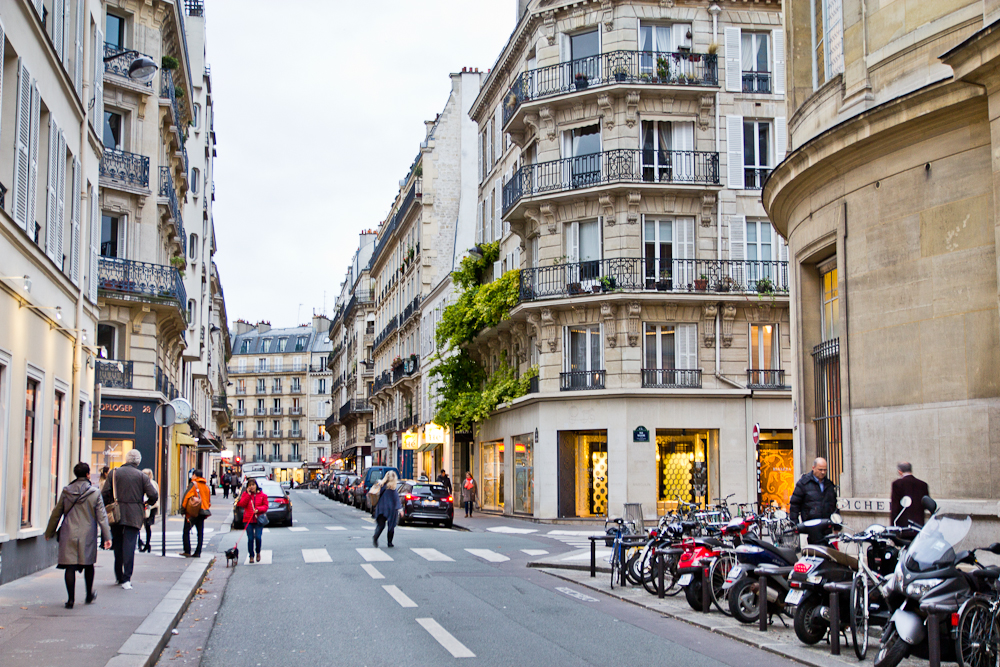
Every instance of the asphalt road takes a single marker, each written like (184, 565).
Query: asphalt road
(328, 598)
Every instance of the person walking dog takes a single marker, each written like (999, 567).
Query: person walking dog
(124, 494)
(82, 512)
(196, 504)
(387, 509)
(150, 512)
(254, 504)
(469, 493)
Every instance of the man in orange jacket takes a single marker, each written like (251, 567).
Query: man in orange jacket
(196, 504)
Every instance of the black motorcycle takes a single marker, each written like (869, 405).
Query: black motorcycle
(820, 564)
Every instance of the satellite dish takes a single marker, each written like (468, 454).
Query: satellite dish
(183, 409)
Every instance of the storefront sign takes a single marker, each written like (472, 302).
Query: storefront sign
(640, 434)
(410, 441)
(381, 441)
(434, 433)
(863, 504)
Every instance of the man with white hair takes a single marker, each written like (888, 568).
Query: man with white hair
(131, 489)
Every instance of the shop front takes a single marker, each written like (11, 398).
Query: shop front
(775, 468)
(125, 424)
(491, 475)
(524, 473)
(682, 467)
(288, 472)
(582, 462)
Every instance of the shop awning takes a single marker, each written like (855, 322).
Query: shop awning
(427, 446)
(182, 436)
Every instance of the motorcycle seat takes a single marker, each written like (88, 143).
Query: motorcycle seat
(773, 570)
(787, 555)
(710, 542)
(836, 556)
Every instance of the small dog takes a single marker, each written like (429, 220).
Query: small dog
(233, 556)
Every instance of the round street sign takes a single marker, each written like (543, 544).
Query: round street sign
(164, 415)
(756, 434)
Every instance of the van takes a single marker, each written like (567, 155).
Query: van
(372, 475)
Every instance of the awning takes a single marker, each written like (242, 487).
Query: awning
(427, 446)
(182, 436)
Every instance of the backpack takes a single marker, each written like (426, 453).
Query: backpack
(192, 506)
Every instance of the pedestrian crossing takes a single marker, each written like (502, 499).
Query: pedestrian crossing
(374, 555)
(574, 538)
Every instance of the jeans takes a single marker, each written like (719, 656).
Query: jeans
(225, 490)
(468, 508)
(254, 531)
(123, 539)
(199, 523)
(381, 519)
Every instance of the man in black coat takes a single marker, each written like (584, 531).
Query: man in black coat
(814, 497)
(907, 485)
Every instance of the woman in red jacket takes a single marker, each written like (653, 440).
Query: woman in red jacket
(254, 502)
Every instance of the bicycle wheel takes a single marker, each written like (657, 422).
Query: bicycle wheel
(650, 579)
(859, 615)
(977, 634)
(717, 575)
(632, 564)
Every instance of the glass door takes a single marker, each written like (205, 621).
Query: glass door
(658, 253)
(524, 473)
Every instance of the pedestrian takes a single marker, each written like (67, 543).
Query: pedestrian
(130, 489)
(151, 510)
(444, 480)
(469, 493)
(237, 484)
(423, 477)
(907, 485)
(226, 482)
(104, 476)
(814, 497)
(387, 509)
(82, 512)
(196, 504)
(214, 480)
(254, 502)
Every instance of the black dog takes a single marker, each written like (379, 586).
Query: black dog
(233, 556)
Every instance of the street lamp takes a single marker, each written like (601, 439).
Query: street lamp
(142, 68)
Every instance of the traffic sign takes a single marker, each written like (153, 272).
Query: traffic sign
(164, 415)
(756, 434)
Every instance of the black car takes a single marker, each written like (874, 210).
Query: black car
(426, 501)
(279, 505)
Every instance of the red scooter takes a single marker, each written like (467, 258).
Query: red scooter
(699, 553)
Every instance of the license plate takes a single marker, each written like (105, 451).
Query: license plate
(734, 574)
(794, 597)
(685, 579)
(430, 503)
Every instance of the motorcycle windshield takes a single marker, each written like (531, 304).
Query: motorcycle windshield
(935, 546)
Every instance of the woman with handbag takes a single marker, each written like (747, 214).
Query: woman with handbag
(387, 509)
(469, 493)
(82, 510)
(150, 513)
(254, 504)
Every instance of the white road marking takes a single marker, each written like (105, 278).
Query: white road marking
(406, 528)
(432, 555)
(534, 552)
(265, 558)
(486, 554)
(585, 555)
(399, 596)
(298, 529)
(368, 519)
(512, 530)
(447, 530)
(265, 530)
(576, 594)
(445, 638)
(574, 538)
(371, 555)
(316, 556)
(372, 572)
(335, 528)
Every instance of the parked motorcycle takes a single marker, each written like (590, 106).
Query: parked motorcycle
(743, 583)
(819, 565)
(698, 554)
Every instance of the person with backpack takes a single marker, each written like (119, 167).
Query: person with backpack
(196, 504)
(254, 504)
(227, 481)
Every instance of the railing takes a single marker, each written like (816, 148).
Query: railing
(638, 274)
(168, 91)
(124, 167)
(411, 364)
(293, 458)
(195, 8)
(276, 432)
(240, 412)
(277, 411)
(412, 309)
(756, 82)
(241, 390)
(239, 435)
(576, 380)
(276, 390)
(397, 374)
(295, 411)
(630, 67)
(260, 412)
(387, 426)
(121, 62)
(260, 434)
(3, 194)
(416, 189)
(355, 406)
(114, 374)
(295, 433)
(622, 165)
(754, 177)
(389, 328)
(219, 403)
(766, 379)
(142, 281)
(168, 190)
(383, 380)
(671, 378)
(296, 389)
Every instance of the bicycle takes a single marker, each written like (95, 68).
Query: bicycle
(865, 586)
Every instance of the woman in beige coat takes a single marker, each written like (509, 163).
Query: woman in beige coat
(82, 511)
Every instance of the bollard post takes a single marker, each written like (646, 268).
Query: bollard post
(624, 563)
(762, 603)
(706, 591)
(660, 589)
(834, 622)
(593, 557)
(934, 640)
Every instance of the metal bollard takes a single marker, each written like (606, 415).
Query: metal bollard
(624, 564)
(661, 587)
(593, 558)
(834, 623)
(706, 591)
(934, 640)
(762, 603)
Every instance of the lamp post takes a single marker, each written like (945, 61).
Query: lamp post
(142, 69)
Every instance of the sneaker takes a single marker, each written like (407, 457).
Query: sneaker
(127, 586)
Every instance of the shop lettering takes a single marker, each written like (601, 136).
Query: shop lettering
(863, 504)
(115, 407)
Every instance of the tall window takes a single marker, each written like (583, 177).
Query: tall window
(668, 252)
(240, 406)
(294, 451)
(276, 385)
(260, 451)
(239, 429)
(31, 404)
(113, 130)
(262, 365)
(763, 346)
(282, 343)
(241, 365)
(277, 406)
(57, 419)
(584, 54)
(670, 355)
(106, 335)
(584, 361)
(826, 362)
(261, 388)
(241, 386)
(260, 406)
(583, 249)
(112, 236)
(114, 31)
(276, 451)
(831, 308)
(297, 363)
(244, 347)
(667, 151)
(756, 63)
(656, 42)
(300, 343)
(321, 386)
(295, 427)
(582, 150)
(756, 153)
(275, 426)
(260, 428)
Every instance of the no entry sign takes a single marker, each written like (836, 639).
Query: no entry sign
(756, 434)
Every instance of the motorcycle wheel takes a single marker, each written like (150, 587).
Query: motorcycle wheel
(807, 628)
(859, 616)
(892, 651)
(693, 593)
(977, 636)
(744, 600)
(632, 565)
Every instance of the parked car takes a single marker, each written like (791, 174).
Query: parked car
(426, 501)
(342, 488)
(323, 485)
(357, 491)
(279, 505)
(372, 475)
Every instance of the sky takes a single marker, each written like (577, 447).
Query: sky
(319, 111)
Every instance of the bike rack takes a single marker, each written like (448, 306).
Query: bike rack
(835, 589)
(934, 614)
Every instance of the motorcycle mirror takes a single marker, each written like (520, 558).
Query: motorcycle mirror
(836, 518)
(906, 501)
(995, 548)
(929, 504)
(781, 515)
(876, 529)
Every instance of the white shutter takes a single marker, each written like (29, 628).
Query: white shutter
(497, 269)
(778, 39)
(36, 119)
(737, 237)
(1, 59)
(497, 207)
(687, 346)
(479, 152)
(97, 119)
(122, 235)
(95, 241)
(517, 257)
(60, 199)
(22, 143)
(479, 223)
(734, 67)
(565, 50)
(780, 139)
(573, 243)
(498, 124)
(682, 138)
(50, 191)
(57, 18)
(74, 259)
(488, 217)
(734, 150)
(683, 251)
(81, 23)
(565, 70)
(490, 143)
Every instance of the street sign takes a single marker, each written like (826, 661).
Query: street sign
(756, 434)
(640, 434)
(164, 415)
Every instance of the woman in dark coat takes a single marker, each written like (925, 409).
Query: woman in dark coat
(82, 511)
(387, 509)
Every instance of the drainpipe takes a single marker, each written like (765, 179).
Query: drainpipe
(718, 351)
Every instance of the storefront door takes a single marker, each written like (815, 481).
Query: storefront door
(682, 466)
(775, 468)
(491, 474)
(524, 473)
(583, 473)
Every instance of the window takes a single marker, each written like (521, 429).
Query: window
(244, 347)
(276, 451)
(241, 406)
(582, 242)
(584, 363)
(193, 247)
(241, 386)
(275, 425)
(655, 41)
(197, 115)
(195, 180)
(262, 365)
(264, 344)
(277, 365)
(831, 306)
(294, 452)
(300, 343)
(667, 151)
(260, 428)
(321, 386)
(241, 366)
(756, 153)
(668, 252)
(57, 419)
(282, 342)
(239, 429)
(112, 130)
(112, 236)
(582, 153)
(260, 451)
(106, 338)
(31, 406)
(297, 363)
(260, 406)
(277, 405)
(295, 427)
(764, 354)
(261, 388)
(670, 356)
(583, 50)
(276, 385)
(755, 62)
(114, 31)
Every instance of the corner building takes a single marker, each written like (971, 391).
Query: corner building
(621, 153)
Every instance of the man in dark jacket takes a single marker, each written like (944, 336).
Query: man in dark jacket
(907, 485)
(132, 489)
(444, 480)
(814, 497)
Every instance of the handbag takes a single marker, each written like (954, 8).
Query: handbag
(113, 510)
(262, 519)
(62, 519)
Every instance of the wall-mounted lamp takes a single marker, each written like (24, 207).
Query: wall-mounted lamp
(26, 279)
(58, 309)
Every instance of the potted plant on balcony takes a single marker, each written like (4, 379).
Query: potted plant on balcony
(663, 284)
(169, 63)
(620, 73)
(574, 288)
(701, 284)
(725, 284)
(662, 69)
(608, 283)
(581, 81)
(409, 255)
(397, 362)
(765, 286)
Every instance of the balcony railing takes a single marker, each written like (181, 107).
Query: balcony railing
(114, 374)
(124, 167)
(383, 380)
(671, 378)
(354, 406)
(277, 411)
(638, 274)
(276, 432)
(142, 281)
(260, 434)
(754, 177)
(121, 62)
(766, 379)
(295, 389)
(615, 67)
(293, 458)
(240, 412)
(389, 328)
(411, 365)
(622, 165)
(168, 190)
(295, 411)
(757, 82)
(295, 433)
(576, 380)
(241, 390)
(168, 91)
(260, 412)
(219, 403)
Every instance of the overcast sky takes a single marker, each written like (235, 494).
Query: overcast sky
(319, 111)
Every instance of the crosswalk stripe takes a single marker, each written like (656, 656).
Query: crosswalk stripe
(372, 555)
(406, 528)
(432, 555)
(399, 596)
(265, 558)
(488, 555)
(372, 571)
(298, 529)
(335, 528)
(534, 552)
(368, 519)
(316, 556)
(511, 530)
(265, 530)
(445, 638)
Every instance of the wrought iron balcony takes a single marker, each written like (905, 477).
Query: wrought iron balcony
(121, 62)
(141, 281)
(114, 374)
(757, 82)
(354, 406)
(671, 378)
(125, 168)
(239, 435)
(293, 458)
(411, 364)
(295, 411)
(577, 380)
(277, 411)
(260, 412)
(260, 434)
(766, 379)
(633, 274)
(195, 8)
(219, 403)
(614, 67)
(241, 390)
(169, 192)
(622, 165)
(276, 432)
(169, 91)
(295, 389)
(397, 373)
(295, 433)
(389, 328)
(240, 412)
(754, 177)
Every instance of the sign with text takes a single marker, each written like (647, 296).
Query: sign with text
(640, 434)
(863, 504)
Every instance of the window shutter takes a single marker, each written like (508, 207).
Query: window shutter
(81, 23)
(517, 257)
(95, 241)
(573, 243)
(122, 235)
(780, 139)
(50, 191)
(783, 278)
(498, 124)
(57, 17)
(74, 260)
(497, 210)
(36, 113)
(488, 227)
(687, 346)
(490, 143)
(479, 224)
(479, 151)
(737, 237)
(497, 269)
(1, 58)
(22, 142)
(734, 67)
(97, 119)
(683, 249)
(60, 200)
(734, 149)
(778, 39)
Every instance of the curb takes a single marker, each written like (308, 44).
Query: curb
(143, 648)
